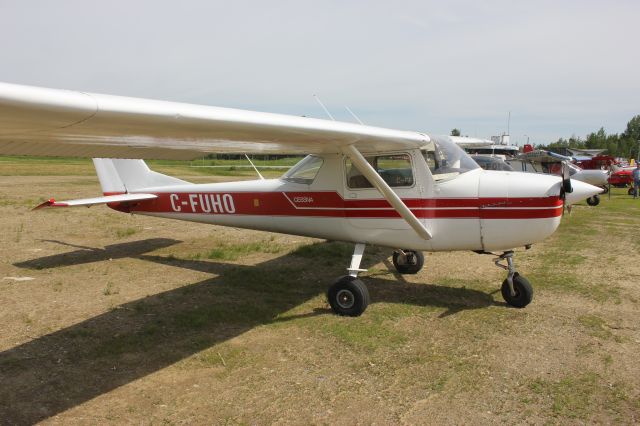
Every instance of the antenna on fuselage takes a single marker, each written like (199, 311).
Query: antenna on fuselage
(324, 107)
(353, 115)
(254, 167)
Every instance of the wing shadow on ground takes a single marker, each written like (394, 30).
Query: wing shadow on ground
(61, 370)
(91, 254)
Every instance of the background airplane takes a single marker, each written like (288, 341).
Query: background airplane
(541, 161)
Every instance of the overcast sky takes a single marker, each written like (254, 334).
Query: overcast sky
(560, 67)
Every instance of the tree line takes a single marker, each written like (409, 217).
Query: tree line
(623, 145)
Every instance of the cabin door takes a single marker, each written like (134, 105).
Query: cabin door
(365, 206)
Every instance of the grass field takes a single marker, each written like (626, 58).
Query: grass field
(52, 166)
(113, 318)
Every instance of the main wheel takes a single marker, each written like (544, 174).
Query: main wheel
(605, 189)
(523, 291)
(411, 263)
(348, 296)
(630, 191)
(593, 201)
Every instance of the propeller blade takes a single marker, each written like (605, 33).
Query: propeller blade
(566, 178)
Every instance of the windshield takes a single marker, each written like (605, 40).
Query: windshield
(305, 171)
(446, 159)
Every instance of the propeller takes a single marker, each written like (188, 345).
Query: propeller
(566, 187)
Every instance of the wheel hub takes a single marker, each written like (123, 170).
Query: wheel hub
(345, 299)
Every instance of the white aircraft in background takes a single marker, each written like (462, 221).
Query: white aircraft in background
(367, 185)
(485, 146)
(540, 161)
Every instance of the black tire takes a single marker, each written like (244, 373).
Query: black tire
(593, 201)
(605, 189)
(413, 264)
(348, 296)
(630, 191)
(523, 290)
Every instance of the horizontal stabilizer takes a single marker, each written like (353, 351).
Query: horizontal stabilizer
(88, 202)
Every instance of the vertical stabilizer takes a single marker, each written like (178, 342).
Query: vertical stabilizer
(123, 176)
(108, 177)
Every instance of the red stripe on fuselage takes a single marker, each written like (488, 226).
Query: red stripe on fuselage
(331, 204)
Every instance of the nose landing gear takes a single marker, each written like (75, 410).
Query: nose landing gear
(516, 289)
(593, 201)
(408, 261)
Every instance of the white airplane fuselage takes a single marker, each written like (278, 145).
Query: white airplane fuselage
(594, 177)
(475, 210)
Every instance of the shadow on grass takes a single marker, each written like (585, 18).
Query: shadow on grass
(91, 254)
(61, 370)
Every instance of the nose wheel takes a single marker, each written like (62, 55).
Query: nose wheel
(516, 289)
(408, 261)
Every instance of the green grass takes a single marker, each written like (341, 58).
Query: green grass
(333, 250)
(365, 334)
(571, 396)
(125, 232)
(71, 166)
(582, 395)
(586, 237)
(595, 326)
(225, 356)
(227, 251)
(330, 253)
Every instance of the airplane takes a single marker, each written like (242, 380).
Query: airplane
(408, 191)
(541, 161)
(486, 147)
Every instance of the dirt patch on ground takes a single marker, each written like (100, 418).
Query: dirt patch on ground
(108, 317)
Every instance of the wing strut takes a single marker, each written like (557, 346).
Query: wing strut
(369, 172)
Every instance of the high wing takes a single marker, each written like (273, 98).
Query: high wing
(39, 121)
(542, 156)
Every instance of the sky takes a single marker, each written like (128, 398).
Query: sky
(560, 68)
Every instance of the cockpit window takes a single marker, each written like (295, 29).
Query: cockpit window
(446, 159)
(395, 169)
(305, 171)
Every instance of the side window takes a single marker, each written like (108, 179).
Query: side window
(394, 169)
(305, 171)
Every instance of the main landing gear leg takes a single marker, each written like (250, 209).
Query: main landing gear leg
(348, 296)
(516, 290)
